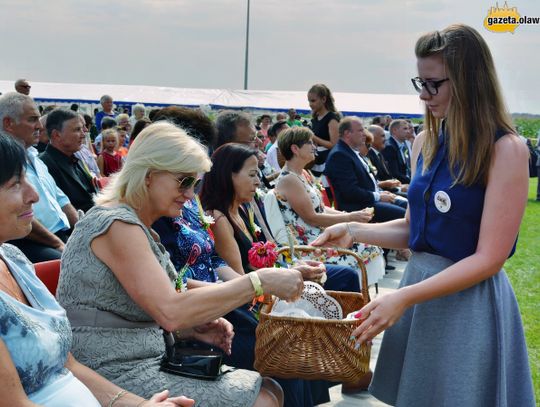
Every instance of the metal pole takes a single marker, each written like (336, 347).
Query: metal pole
(247, 49)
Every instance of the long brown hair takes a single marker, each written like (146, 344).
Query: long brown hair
(322, 91)
(476, 109)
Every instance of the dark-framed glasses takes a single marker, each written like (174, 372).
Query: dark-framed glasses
(188, 182)
(432, 87)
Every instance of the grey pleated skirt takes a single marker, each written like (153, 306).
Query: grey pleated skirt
(466, 349)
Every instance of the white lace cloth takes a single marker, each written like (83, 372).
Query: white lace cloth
(313, 303)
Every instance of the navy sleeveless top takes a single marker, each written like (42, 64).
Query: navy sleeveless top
(445, 219)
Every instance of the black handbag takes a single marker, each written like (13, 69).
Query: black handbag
(191, 358)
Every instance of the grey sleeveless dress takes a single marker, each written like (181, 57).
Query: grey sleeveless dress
(129, 356)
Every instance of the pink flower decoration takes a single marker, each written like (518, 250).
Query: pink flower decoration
(262, 254)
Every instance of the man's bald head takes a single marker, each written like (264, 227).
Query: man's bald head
(379, 137)
(22, 86)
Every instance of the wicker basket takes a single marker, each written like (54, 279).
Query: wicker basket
(313, 349)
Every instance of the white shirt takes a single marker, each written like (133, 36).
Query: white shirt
(271, 157)
(48, 210)
(376, 194)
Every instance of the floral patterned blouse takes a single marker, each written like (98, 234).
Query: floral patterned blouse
(303, 233)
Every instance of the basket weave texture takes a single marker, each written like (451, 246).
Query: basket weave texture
(313, 349)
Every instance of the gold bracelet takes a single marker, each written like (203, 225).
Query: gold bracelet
(120, 394)
(256, 283)
(141, 403)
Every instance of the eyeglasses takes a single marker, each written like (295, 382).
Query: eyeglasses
(432, 87)
(188, 182)
(309, 142)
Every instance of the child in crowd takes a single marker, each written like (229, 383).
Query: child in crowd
(109, 161)
(122, 134)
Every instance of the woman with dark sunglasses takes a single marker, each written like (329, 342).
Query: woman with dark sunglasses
(120, 289)
(453, 329)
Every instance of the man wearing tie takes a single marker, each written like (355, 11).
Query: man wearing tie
(384, 178)
(354, 185)
(396, 151)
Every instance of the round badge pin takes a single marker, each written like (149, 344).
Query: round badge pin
(442, 201)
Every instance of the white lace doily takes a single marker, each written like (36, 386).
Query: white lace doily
(314, 303)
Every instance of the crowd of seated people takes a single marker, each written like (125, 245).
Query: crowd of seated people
(184, 271)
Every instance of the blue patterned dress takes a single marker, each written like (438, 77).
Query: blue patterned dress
(189, 244)
(38, 338)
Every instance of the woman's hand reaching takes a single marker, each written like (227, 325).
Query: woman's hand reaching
(285, 284)
(311, 270)
(379, 314)
(339, 235)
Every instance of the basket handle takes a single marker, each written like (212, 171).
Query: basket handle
(361, 265)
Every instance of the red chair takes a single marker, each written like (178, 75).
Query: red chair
(326, 200)
(333, 193)
(49, 273)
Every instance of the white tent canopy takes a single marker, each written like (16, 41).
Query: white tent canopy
(360, 104)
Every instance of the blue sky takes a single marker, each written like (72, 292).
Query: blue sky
(351, 45)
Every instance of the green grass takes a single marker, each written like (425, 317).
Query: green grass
(524, 272)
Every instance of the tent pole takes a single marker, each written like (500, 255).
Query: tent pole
(247, 49)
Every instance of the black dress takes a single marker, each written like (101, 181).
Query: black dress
(320, 129)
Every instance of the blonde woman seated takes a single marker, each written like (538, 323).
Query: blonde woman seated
(300, 201)
(36, 367)
(117, 283)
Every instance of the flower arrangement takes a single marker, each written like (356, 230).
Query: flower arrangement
(261, 254)
(206, 220)
(254, 229)
(181, 279)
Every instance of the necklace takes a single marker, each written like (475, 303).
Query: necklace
(242, 226)
(13, 288)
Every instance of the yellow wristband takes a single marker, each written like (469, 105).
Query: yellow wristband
(256, 282)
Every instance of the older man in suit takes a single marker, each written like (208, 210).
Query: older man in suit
(71, 175)
(386, 180)
(354, 185)
(396, 152)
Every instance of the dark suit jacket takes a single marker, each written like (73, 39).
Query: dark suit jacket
(378, 160)
(396, 163)
(70, 177)
(351, 182)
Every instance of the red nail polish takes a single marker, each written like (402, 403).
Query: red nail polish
(358, 315)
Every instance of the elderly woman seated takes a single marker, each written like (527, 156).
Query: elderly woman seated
(302, 207)
(36, 367)
(189, 241)
(118, 284)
